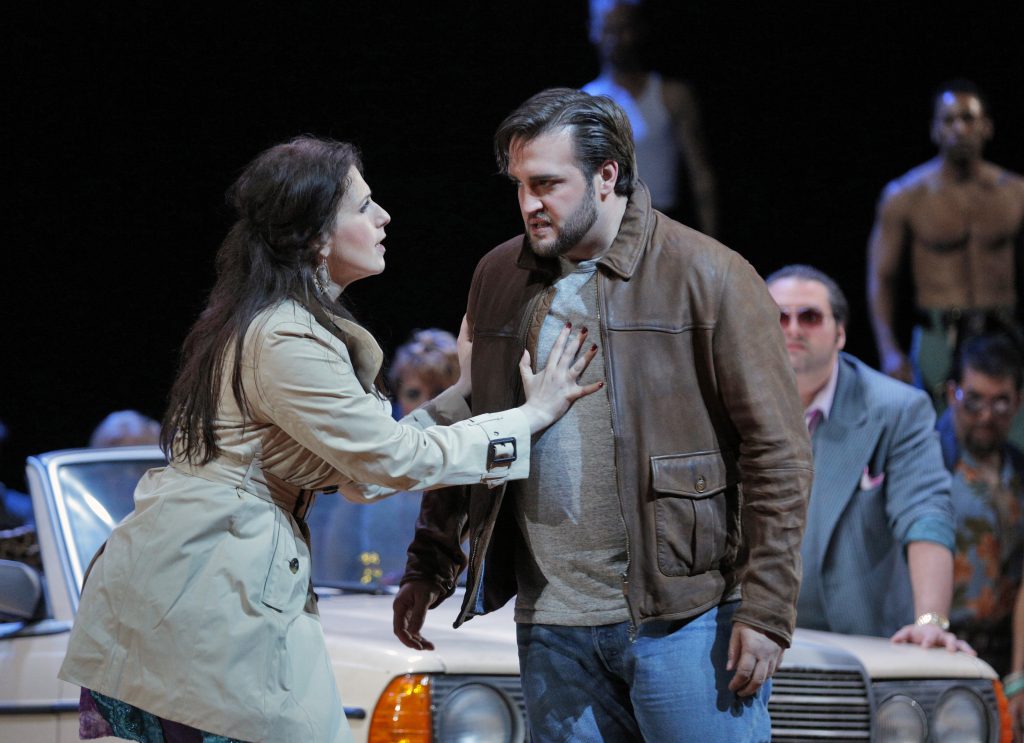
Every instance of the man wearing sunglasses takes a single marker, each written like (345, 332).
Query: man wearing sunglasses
(988, 493)
(877, 548)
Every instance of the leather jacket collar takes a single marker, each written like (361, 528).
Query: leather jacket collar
(627, 247)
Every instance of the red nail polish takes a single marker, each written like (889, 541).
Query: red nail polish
(568, 324)
(584, 331)
(593, 346)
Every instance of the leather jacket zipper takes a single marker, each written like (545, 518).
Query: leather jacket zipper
(615, 442)
(474, 549)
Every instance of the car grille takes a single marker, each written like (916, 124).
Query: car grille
(814, 704)
(806, 705)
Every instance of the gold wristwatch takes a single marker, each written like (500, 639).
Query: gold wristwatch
(933, 617)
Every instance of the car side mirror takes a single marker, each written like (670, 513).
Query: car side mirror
(21, 591)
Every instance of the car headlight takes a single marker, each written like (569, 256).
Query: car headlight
(960, 717)
(477, 713)
(901, 720)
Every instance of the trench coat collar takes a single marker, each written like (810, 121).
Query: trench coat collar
(367, 357)
(364, 353)
(364, 350)
(624, 254)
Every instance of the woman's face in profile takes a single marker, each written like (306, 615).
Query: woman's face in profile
(353, 247)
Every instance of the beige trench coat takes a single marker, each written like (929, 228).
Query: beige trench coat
(197, 609)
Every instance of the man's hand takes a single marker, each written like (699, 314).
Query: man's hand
(410, 607)
(932, 636)
(754, 655)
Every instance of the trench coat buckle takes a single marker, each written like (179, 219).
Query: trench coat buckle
(501, 453)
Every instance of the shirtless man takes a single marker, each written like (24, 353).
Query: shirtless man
(961, 219)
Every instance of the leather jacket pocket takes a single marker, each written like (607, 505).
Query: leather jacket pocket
(690, 511)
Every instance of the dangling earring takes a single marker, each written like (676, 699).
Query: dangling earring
(325, 286)
(321, 276)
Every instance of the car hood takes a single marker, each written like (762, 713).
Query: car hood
(359, 628)
(883, 659)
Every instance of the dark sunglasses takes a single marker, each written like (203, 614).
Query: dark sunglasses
(806, 317)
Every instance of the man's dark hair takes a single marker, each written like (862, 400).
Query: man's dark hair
(993, 354)
(836, 298)
(963, 86)
(600, 131)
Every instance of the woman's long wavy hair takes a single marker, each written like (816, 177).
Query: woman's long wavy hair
(286, 201)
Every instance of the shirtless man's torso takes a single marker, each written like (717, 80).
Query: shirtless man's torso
(961, 218)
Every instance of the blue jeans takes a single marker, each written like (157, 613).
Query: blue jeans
(669, 684)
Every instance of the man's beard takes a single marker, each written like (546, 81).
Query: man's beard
(573, 230)
(984, 445)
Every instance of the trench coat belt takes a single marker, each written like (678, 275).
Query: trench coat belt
(295, 501)
(255, 481)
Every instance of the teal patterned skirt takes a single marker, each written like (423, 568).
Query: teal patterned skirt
(100, 716)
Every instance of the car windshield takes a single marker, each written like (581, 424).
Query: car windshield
(355, 546)
(96, 495)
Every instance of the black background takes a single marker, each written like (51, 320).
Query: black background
(126, 122)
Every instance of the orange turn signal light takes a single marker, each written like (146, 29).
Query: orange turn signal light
(1005, 721)
(402, 714)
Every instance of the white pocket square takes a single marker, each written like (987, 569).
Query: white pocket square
(869, 482)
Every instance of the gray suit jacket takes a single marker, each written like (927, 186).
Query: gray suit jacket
(877, 471)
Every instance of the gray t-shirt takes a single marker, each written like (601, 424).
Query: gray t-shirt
(568, 511)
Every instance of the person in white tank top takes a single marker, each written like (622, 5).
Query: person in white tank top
(663, 113)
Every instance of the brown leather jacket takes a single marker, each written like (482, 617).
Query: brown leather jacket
(711, 449)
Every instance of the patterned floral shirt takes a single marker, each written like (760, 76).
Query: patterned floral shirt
(989, 541)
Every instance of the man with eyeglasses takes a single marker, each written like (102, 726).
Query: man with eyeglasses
(988, 494)
(878, 542)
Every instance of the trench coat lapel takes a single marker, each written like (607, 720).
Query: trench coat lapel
(366, 355)
(363, 350)
(843, 444)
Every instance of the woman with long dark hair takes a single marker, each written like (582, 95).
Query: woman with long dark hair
(197, 621)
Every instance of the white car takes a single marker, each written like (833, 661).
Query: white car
(830, 687)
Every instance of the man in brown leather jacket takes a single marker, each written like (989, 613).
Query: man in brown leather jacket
(655, 548)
